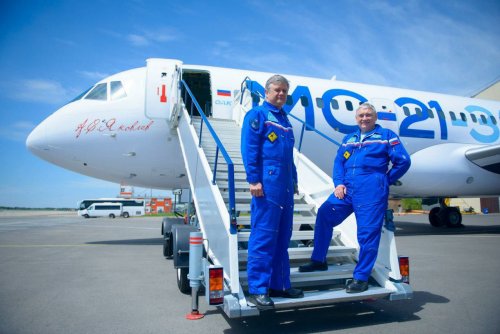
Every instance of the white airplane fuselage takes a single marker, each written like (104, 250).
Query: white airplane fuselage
(454, 142)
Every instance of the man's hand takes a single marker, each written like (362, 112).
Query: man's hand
(256, 189)
(340, 191)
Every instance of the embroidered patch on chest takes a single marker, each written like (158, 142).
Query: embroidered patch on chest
(272, 136)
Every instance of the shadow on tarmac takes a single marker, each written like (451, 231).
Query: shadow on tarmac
(411, 229)
(339, 316)
(130, 242)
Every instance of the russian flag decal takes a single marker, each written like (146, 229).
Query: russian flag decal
(222, 92)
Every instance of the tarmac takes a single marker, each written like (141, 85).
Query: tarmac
(60, 273)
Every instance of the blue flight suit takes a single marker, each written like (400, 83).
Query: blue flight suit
(363, 167)
(267, 143)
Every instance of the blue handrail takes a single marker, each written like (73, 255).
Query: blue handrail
(221, 148)
(249, 85)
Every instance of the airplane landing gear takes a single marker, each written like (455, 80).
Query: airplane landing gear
(445, 215)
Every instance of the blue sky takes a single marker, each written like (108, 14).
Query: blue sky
(50, 51)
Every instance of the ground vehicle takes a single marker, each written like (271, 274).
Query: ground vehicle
(130, 207)
(106, 209)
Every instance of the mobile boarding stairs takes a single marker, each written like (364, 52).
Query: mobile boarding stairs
(211, 150)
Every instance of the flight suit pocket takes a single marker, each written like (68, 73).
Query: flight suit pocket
(271, 178)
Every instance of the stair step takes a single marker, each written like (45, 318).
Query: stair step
(297, 220)
(325, 297)
(296, 235)
(246, 197)
(245, 207)
(304, 253)
(223, 184)
(334, 273)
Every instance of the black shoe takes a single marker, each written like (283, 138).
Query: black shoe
(262, 302)
(288, 293)
(356, 286)
(313, 266)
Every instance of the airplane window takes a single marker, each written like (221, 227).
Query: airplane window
(418, 111)
(473, 117)
(335, 104)
(289, 100)
(99, 92)
(430, 113)
(462, 116)
(441, 114)
(348, 105)
(452, 115)
(483, 118)
(319, 102)
(493, 120)
(117, 90)
(407, 111)
(303, 101)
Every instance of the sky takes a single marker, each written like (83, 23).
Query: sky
(50, 51)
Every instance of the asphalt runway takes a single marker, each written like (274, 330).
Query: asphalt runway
(66, 274)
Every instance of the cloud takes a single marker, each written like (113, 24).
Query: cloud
(18, 131)
(93, 75)
(137, 40)
(39, 90)
(152, 36)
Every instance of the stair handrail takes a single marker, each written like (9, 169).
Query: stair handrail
(220, 146)
(248, 84)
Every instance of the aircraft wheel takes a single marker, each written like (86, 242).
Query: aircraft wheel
(435, 217)
(111, 215)
(183, 281)
(86, 216)
(126, 215)
(453, 217)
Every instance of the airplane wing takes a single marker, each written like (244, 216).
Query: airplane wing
(487, 157)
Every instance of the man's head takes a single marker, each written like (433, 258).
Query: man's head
(366, 116)
(277, 90)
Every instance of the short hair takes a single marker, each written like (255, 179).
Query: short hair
(366, 105)
(277, 79)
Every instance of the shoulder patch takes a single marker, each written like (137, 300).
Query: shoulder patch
(351, 140)
(254, 123)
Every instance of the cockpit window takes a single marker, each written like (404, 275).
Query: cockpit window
(81, 95)
(99, 92)
(117, 90)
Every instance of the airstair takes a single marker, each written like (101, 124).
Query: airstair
(211, 151)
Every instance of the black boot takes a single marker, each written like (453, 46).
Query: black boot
(356, 286)
(288, 293)
(313, 266)
(262, 302)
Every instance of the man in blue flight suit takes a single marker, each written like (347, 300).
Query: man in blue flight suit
(362, 178)
(267, 143)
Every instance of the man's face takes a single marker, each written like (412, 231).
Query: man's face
(366, 119)
(276, 94)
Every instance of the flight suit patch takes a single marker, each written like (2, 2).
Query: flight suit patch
(272, 136)
(255, 124)
(347, 154)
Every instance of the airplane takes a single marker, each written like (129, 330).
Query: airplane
(123, 129)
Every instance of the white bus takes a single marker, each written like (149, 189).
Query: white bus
(130, 206)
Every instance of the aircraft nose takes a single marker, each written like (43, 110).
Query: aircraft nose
(37, 139)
